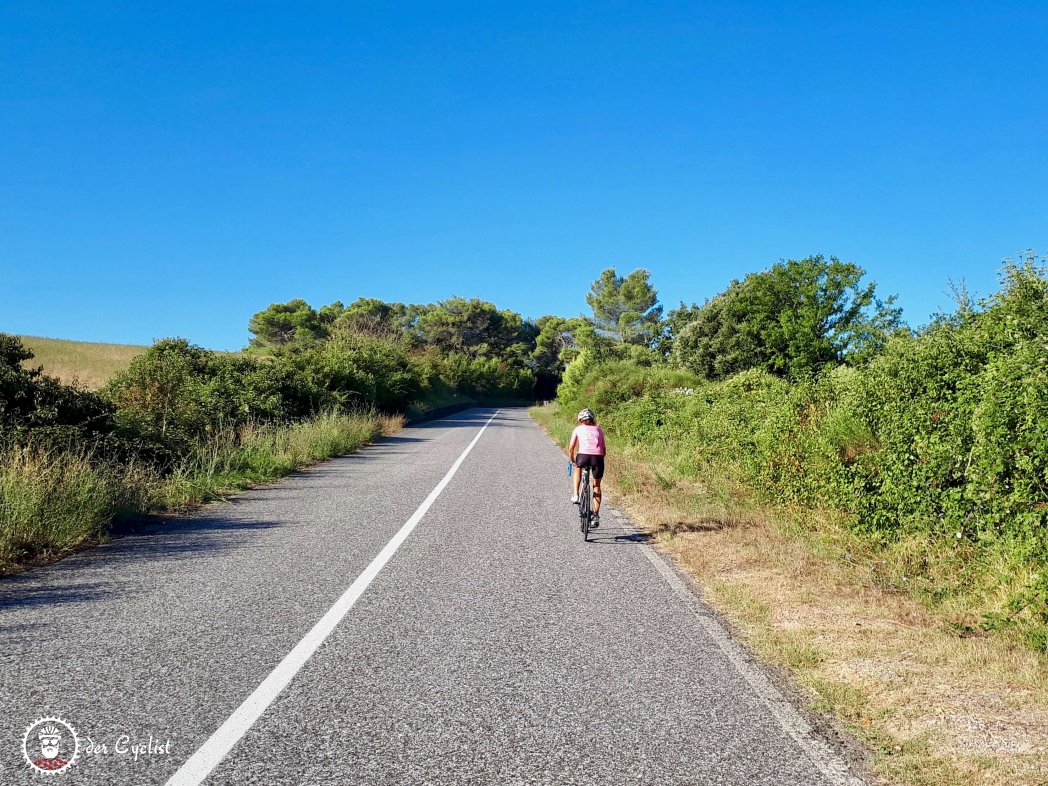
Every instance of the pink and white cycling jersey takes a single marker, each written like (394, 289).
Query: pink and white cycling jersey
(590, 440)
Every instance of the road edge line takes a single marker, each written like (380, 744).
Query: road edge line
(215, 748)
(823, 756)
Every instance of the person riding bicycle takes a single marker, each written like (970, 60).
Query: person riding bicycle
(586, 449)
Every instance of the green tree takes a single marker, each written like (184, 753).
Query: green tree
(555, 347)
(676, 320)
(294, 325)
(476, 329)
(330, 313)
(713, 344)
(554, 343)
(792, 319)
(368, 316)
(627, 308)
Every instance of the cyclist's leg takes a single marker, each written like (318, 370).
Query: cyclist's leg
(598, 476)
(577, 478)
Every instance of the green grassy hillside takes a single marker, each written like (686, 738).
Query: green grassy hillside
(85, 362)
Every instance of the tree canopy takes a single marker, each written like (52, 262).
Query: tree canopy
(676, 320)
(792, 319)
(475, 328)
(626, 308)
(291, 325)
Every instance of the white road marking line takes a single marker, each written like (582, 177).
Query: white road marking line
(824, 757)
(215, 748)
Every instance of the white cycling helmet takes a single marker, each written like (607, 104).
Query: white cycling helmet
(587, 414)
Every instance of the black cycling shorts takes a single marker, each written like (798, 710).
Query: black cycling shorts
(591, 460)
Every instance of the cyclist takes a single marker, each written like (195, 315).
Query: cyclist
(586, 449)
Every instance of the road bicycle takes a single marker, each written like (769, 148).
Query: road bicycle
(585, 504)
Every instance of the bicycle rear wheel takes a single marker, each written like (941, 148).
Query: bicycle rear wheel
(585, 505)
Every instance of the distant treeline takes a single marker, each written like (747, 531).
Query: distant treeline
(799, 382)
(465, 345)
(300, 362)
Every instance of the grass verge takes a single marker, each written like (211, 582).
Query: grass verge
(54, 502)
(936, 703)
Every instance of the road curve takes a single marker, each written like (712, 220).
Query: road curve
(491, 647)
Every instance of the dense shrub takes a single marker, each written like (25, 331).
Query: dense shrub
(362, 371)
(31, 400)
(485, 378)
(177, 393)
(958, 418)
(39, 412)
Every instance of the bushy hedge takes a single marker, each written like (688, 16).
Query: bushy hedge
(30, 400)
(941, 436)
(178, 394)
(175, 396)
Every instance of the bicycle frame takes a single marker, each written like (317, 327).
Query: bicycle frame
(585, 503)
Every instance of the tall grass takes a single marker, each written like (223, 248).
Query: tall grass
(52, 501)
(255, 453)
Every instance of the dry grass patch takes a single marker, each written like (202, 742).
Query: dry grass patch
(936, 708)
(86, 363)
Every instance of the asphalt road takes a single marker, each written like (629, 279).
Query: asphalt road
(491, 647)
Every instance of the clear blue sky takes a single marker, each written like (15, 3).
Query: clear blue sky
(169, 169)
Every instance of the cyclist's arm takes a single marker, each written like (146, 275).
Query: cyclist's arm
(572, 445)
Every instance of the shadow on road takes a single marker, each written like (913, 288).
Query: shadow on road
(610, 534)
(102, 574)
(602, 537)
(154, 538)
(34, 594)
